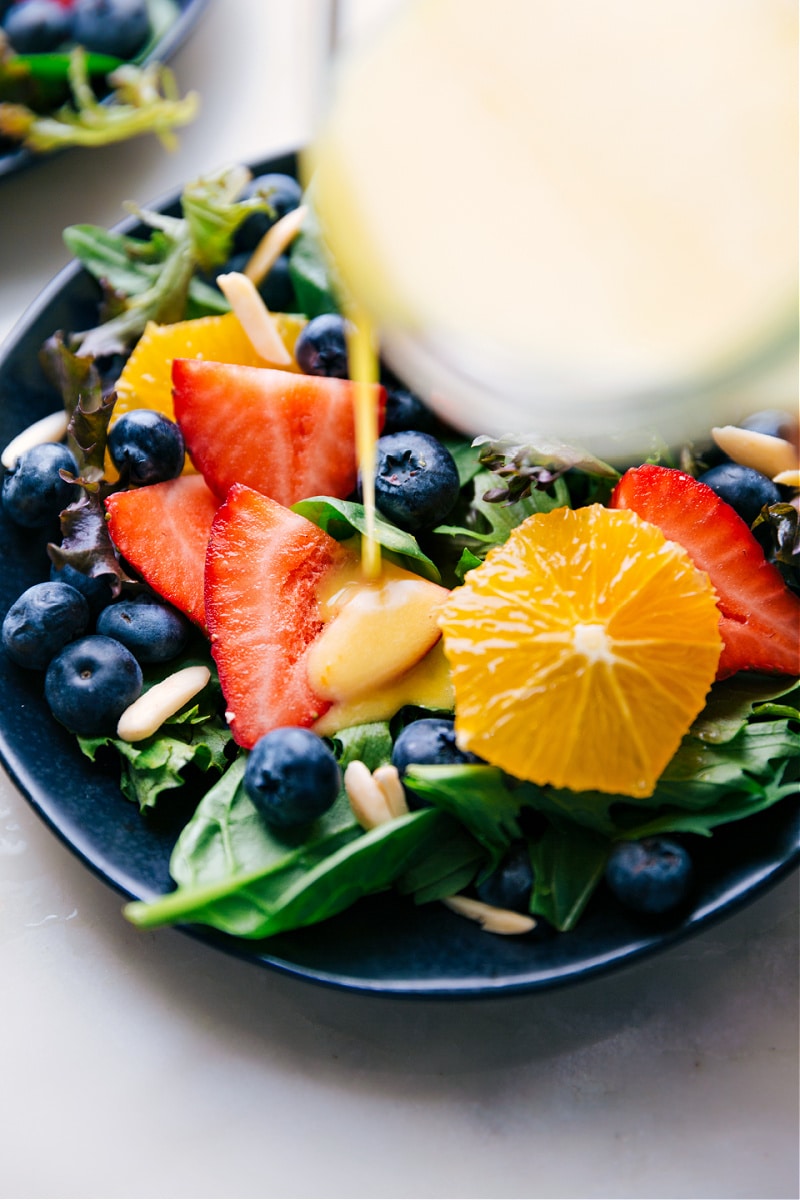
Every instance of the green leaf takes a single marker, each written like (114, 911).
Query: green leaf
(213, 212)
(238, 876)
(731, 703)
(344, 518)
(480, 524)
(568, 864)
(467, 562)
(478, 796)
(370, 743)
(142, 100)
(312, 272)
(448, 868)
(157, 763)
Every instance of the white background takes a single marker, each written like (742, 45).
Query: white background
(144, 1065)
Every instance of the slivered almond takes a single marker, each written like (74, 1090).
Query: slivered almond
(769, 455)
(255, 318)
(493, 920)
(49, 429)
(273, 244)
(388, 780)
(788, 478)
(163, 700)
(367, 800)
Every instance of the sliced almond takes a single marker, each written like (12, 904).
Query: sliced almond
(163, 700)
(273, 244)
(255, 318)
(367, 800)
(788, 478)
(769, 455)
(493, 920)
(388, 780)
(51, 428)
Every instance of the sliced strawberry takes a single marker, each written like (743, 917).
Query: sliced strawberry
(264, 569)
(287, 436)
(163, 530)
(760, 623)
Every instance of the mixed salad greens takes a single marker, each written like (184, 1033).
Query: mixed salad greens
(233, 872)
(74, 96)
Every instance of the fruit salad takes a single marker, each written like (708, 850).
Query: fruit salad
(564, 673)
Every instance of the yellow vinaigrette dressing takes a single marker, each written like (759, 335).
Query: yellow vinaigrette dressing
(380, 646)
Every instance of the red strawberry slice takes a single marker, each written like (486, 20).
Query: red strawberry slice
(760, 622)
(264, 569)
(163, 530)
(288, 436)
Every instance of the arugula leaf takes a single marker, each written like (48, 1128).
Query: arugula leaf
(344, 518)
(568, 864)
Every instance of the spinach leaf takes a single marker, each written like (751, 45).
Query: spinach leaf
(344, 518)
(478, 796)
(312, 272)
(448, 868)
(568, 864)
(236, 875)
(731, 703)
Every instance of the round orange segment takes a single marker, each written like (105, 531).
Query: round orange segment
(581, 651)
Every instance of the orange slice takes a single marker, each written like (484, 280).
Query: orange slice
(581, 651)
(146, 380)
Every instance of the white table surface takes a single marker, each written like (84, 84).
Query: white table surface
(145, 1065)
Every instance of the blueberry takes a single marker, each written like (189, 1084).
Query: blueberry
(152, 631)
(746, 490)
(277, 289)
(773, 422)
(321, 348)
(146, 447)
(33, 491)
(416, 480)
(91, 683)
(116, 27)
(511, 883)
(282, 193)
(37, 26)
(430, 741)
(95, 588)
(42, 621)
(292, 777)
(405, 410)
(650, 876)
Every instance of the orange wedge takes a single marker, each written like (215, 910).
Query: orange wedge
(581, 651)
(146, 380)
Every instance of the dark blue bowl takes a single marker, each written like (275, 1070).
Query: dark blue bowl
(383, 945)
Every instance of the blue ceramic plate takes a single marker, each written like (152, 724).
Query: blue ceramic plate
(384, 945)
(18, 158)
